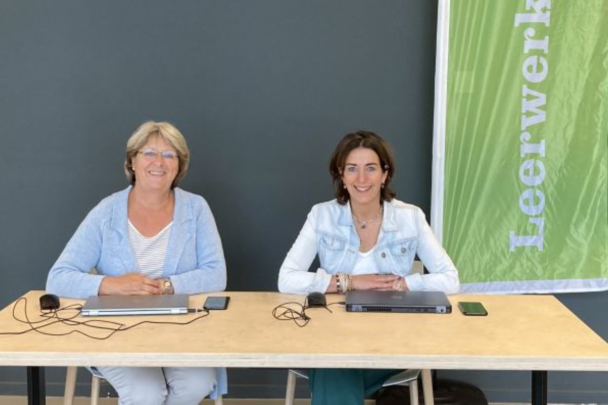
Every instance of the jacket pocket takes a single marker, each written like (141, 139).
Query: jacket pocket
(331, 251)
(397, 257)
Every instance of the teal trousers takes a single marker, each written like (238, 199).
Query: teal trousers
(330, 386)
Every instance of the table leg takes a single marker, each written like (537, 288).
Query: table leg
(539, 388)
(36, 394)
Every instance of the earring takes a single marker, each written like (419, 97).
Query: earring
(382, 185)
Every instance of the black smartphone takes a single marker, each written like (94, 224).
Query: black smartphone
(472, 308)
(212, 303)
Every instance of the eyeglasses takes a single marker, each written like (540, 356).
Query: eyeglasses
(152, 154)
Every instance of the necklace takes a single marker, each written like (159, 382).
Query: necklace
(364, 224)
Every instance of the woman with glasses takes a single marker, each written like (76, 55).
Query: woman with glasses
(365, 239)
(150, 238)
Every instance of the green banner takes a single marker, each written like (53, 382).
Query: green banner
(525, 186)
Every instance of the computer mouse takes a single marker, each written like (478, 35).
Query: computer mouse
(49, 302)
(316, 299)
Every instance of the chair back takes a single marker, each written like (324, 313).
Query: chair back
(417, 267)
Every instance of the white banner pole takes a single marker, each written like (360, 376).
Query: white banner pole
(439, 120)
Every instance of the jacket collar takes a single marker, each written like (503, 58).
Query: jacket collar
(183, 230)
(118, 223)
(388, 218)
(345, 217)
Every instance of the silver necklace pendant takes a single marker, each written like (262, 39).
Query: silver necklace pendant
(363, 225)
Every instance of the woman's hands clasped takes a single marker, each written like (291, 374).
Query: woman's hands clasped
(379, 282)
(130, 284)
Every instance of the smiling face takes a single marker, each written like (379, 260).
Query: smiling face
(363, 176)
(155, 172)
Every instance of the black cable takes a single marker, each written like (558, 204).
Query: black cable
(52, 317)
(290, 314)
(285, 312)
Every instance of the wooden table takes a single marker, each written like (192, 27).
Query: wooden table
(532, 332)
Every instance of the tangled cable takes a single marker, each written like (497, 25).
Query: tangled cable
(53, 317)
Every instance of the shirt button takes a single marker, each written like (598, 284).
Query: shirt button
(383, 255)
(403, 250)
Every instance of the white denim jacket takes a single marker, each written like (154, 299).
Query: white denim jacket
(329, 232)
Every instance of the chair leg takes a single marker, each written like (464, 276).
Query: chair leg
(413, 386)
(427, 387)
(95, 382)
(291, 388)
(70, 385)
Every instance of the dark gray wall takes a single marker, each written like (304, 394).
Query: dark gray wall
(262, 90)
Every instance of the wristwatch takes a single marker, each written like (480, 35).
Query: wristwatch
(167, 286)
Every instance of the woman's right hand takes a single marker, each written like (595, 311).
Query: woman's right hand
(130, 284)
(379, 282)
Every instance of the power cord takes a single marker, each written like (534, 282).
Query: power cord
(52, 317)
(287, 312)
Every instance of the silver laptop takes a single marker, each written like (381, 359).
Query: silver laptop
(119, 305)
(430, 302)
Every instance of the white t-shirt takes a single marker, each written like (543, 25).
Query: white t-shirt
(365, 263)
(150, 252)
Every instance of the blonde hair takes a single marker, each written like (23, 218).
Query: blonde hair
(166, 131)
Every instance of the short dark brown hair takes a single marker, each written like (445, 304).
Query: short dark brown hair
(362, 139)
